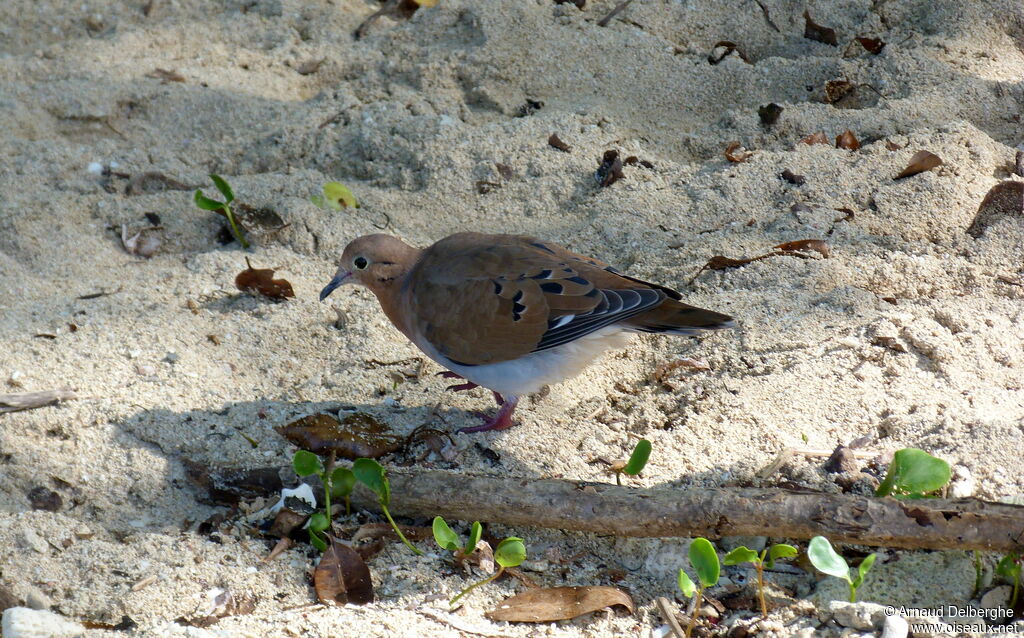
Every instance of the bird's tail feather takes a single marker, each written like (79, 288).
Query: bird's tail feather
(673, 317)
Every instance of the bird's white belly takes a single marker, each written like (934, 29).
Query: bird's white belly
(530, 373)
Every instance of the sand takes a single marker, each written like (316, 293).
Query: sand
(175, 364)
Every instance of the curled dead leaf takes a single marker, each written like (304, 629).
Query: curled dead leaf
(817, 32)
(557, 142)
(789, 249)
(1005, 199)
(921, 161)
(342, 577)
(816, 245)
(872, 45)
(836, 90)
(736, 153)
(262, 281)
(722, 49)
(847, 140)
(815, 138)
(559, 603)
(358, 435)
(610, 169)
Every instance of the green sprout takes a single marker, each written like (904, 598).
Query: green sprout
(915, 474)
(336, 196)
(766, 558)
(637, 461)
(1010, 569)
(371, 474)
(827, 561)
(705, 560)
(510, 553)
(206, 203)
(447, 539)
(336, 481)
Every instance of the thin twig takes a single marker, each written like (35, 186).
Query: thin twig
(390, 8)
(616, 11)
(30, 400)
(767, 17)
(670, 617)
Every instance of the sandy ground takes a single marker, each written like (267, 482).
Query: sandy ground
(412, 117)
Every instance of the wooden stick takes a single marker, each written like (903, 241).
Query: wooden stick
(30, 400)
(664, 512)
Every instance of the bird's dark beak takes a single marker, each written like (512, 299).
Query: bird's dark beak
(338, 280)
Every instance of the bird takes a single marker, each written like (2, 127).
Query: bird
(511, 313)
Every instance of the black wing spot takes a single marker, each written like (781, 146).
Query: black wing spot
(497, 287)
(578, 280)
(537, 244)
(519, 295)
(517, 311)
(544, 274)
(552, 287)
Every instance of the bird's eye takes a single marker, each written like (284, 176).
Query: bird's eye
(359, 262)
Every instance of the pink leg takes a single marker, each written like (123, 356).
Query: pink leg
(500, 421)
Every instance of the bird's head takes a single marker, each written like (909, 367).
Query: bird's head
(375, 261)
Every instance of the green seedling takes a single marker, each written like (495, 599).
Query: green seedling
(704, 559)
(371, 474)
(637, 461)
(206, 203)
(447, 539)
(1010, 569)
(336, 481)
(915, 474)
(336, 196)
(766, 558)
(510, 553)
(827, 561)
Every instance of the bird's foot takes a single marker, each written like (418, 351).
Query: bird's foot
(500, 421)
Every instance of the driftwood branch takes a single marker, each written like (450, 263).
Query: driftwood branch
(30, 400)
(663, 512)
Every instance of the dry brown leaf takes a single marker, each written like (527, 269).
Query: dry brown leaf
(793, 178)
(836, 90)
(610, 170)
(921, 161)
(559, 603)
(1005, 199)
(847, 140)
(342, 577)
(872, 45)
(557, 142)
(769, 114)
(358, 435)
(814, 138)
(817, 245)
(736, 153)
(817, 32)
(262, 282)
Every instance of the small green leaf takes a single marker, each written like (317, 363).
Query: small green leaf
(317, 541)
(863, 568)
(741, 555)
(371, 474)
(510, 552)
(205, 203)
(638, 459)
(686, 585)
(318, 522)
(705, 560)
(444, 536)
(780, 550)
(1009, 568)
(339, 195)
(826, 560)
(914, 472)
(306, 463)
(475, 532)
(318, 201)
(223, 187)
(342, 482)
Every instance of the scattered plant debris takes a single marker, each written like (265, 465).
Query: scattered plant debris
(890, 343)
(769, 114)
(397, 9)
(798, 248)
(836, 90)
(336, 196)
(357, 435)
(341, 577)
(827, 561)
(815, 138)
(153, 182)
(579, 3)
(766, 558)
(152, 218)
(727, 48)
(144, 243)
(529, 107)
(793, 178)
(817, 32)
(262, 281)
(610, 170)
(704, 559)
(223, 208)
(31, 400)
(509, 553)
(804, 245)
(556, 141)
(603, 22)
(43, 498)
(662, 371)
(871, 45)
(371, 474)
(767, 17)
(549, 604)
(915, 474)
(165, 75)
(736, 153)
(847, 140)
(921, 161)
(222, 603)
(633, 160)
(635, 464)
(1005, 199)
(505, 171)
